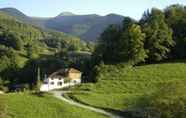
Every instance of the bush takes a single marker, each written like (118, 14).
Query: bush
(167, 102)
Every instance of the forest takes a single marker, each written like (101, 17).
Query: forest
(24, 48)
(157, 36)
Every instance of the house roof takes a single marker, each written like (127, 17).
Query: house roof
(59, 73)
(64, 72)
(73, 70)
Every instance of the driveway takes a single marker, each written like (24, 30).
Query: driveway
(59, 95)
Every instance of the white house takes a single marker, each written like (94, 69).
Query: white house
(1, 92)
(61, 79)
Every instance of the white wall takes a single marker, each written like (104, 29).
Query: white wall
(50, 84)
(1, 92)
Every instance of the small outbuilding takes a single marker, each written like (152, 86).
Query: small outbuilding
(61, 79)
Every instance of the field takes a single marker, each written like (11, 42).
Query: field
(119, 88)
(26, 105)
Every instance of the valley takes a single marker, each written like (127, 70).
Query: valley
(93, 66)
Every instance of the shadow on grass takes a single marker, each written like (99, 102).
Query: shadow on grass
(164, 62)
(38, 94)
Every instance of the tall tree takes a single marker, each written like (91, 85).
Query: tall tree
(108, 44)
(127, 22)
(11, 39)
(176, 19)
(158, 35)
(134, 42)
(29, 49)
(15, 41)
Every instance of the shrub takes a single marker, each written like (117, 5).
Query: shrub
(167, 102)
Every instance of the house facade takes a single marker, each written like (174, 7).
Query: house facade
(1, 92)
(61, 79)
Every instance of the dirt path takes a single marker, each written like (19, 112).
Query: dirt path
(59, 94)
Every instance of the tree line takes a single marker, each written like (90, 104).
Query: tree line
(159, 35)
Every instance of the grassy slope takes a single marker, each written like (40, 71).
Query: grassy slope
(118, 88)
(31, 106)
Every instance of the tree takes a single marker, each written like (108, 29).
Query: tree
(15, 41)
(134, 44)
(176, 19)
(29, 50)
(158, 36)
(122, 45)
(127, 22)
(107, 48)
(10, 39)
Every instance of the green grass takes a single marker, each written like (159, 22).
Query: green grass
(25, 105)
(3, 113)
(119, 88)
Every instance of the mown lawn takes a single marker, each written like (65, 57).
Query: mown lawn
(119, 88)
(26, 105)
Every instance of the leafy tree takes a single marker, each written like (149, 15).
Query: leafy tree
(158, 35)
(127, 22)
(133, 40)
(29, 50)
(10, 39)
(74, 45)
(108, 44)
(15, 41)
(122, 45)
(176, 19)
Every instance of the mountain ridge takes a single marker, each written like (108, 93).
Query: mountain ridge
(88, 27)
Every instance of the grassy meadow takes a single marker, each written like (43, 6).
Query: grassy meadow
(26, 105)
(119, 88)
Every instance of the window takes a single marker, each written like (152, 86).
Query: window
(51, 83)
(59, 83)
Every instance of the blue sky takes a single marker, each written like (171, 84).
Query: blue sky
(50, 8)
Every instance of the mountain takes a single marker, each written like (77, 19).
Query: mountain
(15, 13)
(15, 27)
(66, 14)
(87, 27)
(24, 18)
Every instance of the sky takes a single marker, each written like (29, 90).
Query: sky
(51, 8)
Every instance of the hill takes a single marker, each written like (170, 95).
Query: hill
(27, 105)
(66, 14)
(15, 13)
(22, 45)
(87, 27)
(120, 89)
(24, 18)
(23, 30)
